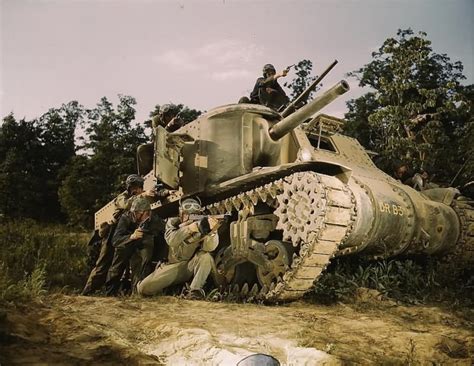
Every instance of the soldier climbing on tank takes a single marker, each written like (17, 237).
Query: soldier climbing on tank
(190, 245)
(133, 241)
(170, 120)
(267, 91)
(98, 275)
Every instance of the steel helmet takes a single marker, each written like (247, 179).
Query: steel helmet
(140, 204)
(267, 68)
(134, 180)
(259, 359)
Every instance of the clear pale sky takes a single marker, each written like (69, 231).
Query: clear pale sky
(201, 53)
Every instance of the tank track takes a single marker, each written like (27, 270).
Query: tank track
(463, 255)
(315, 213)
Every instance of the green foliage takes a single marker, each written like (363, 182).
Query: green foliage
(35, 257)
(32, 154)
(108, 155)
(302, 80)
(404, 280)
(26, 289)
(417, 108)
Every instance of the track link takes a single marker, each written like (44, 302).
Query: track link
(315, 213)
(464, 252)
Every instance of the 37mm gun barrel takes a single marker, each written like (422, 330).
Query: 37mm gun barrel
(294, 120)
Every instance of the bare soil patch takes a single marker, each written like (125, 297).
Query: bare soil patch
(81, 330)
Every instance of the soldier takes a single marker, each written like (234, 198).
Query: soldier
(133, 241)
(190, 244)
(166, 118)
(400, 171)
(98, 275)
(267, 91)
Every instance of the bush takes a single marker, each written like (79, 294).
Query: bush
(36, 257)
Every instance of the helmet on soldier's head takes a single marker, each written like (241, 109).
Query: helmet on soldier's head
(134, 180)
(190, 205)
(267, 68)
(165, 108)
(140, 204)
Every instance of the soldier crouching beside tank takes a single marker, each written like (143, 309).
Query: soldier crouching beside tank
(166, 118)
(190, 243)
(98, 275)
(133, 241)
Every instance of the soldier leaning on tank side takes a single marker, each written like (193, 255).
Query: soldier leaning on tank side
(133, 241)
(190, 244)
(267, 91)
(165, 118)
(98, 275)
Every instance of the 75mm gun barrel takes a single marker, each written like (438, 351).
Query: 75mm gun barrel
(294, 120)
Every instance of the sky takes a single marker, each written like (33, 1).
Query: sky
(201, 53)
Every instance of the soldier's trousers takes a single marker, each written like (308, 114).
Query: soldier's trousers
(139, 255)
(200, 266)
(98, 274)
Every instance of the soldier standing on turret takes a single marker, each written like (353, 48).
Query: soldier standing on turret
(267, 91)
(166, 118)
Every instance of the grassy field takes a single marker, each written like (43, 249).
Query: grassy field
(35, 258)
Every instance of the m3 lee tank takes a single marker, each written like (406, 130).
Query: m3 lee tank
(300, 193)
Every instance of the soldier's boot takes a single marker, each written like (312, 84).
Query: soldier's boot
(195, 294)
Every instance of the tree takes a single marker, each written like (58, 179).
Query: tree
(32, 153)
(107, 155)
(302, 80)
(416, 107)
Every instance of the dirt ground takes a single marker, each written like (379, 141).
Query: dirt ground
(70, 330)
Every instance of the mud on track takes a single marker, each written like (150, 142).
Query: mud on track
(77, 330)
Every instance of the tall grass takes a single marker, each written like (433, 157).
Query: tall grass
(36, 257)
(413, 280)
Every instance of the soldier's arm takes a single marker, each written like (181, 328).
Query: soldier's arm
(176, 235)
(262, 83)
(120, 203)
(122, 232)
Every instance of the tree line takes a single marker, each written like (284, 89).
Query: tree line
(66, 164)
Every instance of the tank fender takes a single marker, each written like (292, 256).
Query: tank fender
(442, 195)
(341, 172)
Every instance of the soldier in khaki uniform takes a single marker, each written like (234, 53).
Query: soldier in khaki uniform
(165, 118)
(98, 275)
(190, 244)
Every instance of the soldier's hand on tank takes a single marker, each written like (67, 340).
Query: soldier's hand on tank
(284, 72)
(150, 193)
(137, 234)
